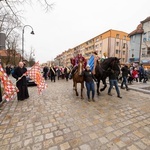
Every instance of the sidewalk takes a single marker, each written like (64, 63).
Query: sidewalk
(140, 87)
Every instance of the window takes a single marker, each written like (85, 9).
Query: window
(117, 43)
(133, 38)
(97, 39)
(123, 52)
(124, 45)
(144, 39)
(148, 51)
(117, 36)
(116, 51)
(124, 37)
(148, 36)
(100, 44)
(96, 46)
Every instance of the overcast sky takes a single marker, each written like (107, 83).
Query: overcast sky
(72, 22)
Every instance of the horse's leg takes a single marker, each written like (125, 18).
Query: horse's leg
(82, 86)
(98, 85)
(76, 89)
(105, 85)
(73, 85)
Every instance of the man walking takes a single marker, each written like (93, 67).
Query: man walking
(125, 72)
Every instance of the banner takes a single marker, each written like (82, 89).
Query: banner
(35, 74)
(9, 89)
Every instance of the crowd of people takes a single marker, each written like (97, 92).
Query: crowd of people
(128, 75)
(134, 73)
(54, 72)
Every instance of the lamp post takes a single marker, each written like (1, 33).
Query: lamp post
(32, 32)
(0, 86)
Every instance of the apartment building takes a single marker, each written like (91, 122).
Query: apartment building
(140, 43)
(113, 43)
(145, 43)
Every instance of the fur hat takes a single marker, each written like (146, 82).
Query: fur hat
(94, 52)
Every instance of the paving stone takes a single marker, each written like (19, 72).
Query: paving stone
(58, 120)
(103, 140)
(48, 143)
(5, 147)
(141, 145)
(139, 134)
(9, 135)
(58, 139)
(15, 139)
(93, 136)
(54, 148)
(16, 146)
(49, 135)
(75, 142)
(132, 147)
(146, 141)
(37, 146)
(39, 138)
(109, 129)
(85, 146)
(28, 142)
(65, 146)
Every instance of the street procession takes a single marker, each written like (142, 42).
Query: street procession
(73, 77)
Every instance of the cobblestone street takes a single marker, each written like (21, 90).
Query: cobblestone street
(58, 120)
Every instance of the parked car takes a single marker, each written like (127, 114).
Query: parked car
(29, 80)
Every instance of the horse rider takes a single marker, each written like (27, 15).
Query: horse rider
(92, 61)
(75, 61)
(103, 57)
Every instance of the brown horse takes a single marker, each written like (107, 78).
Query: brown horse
(78, 78)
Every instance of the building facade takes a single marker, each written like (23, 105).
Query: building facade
(135, 44)
(145, 43)
(113, 43)
(140, 43)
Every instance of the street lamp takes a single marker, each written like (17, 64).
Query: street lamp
(32, 32)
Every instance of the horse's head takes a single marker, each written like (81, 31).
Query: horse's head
(115, 64)
(80, 67)
(111, 62)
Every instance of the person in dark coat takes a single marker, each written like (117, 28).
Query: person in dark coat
(113, 74)
(66, 72)
(8, 70)
(52, 73)
(20, 75)
(89, 82)
(141, 72)
(45, 72)
(125, 73)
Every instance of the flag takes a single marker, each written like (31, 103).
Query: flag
(35, 74)
(9, 89)
(91, 62)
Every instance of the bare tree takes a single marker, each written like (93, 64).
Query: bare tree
(11, 21)
(43, 3)
(13, 52)
(31, 58)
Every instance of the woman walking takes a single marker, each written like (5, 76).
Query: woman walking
(89, 82)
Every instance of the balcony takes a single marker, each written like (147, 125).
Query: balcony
(145, 55)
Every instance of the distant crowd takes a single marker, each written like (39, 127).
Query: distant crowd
(135, 72)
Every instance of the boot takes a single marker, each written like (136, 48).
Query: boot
(119, 96)
(70, 76)
(122, 86)
(127, 89)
